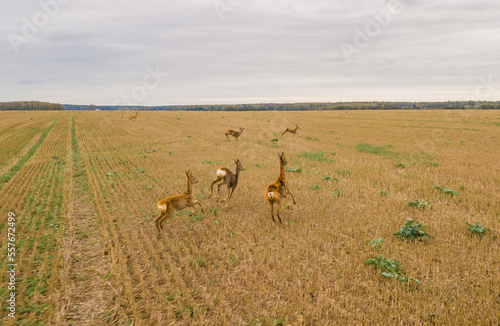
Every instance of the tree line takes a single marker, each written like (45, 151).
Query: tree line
(30, 106)
(449, 105)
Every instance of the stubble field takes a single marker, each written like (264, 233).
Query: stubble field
(84, 186)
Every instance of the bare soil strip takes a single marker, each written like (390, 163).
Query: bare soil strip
(87, 294)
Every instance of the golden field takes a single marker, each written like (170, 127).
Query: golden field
(84, 188)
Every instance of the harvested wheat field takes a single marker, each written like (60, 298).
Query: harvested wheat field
(82, 189)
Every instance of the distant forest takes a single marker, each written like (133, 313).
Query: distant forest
(451, 105)
(30, 106)
(305, 106)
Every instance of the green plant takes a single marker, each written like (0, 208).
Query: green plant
(210, 162)
(287, 169)
(418, 204)
(446, 191)
(377, 243)
(327, 178)
(390, 268)
(337, 192)
(316, 156)
(315, 187)
(378, 150)
(410, 231)
(400, 165)
(345, 173)
(477, 229)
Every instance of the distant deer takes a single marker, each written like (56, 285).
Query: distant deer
(169, 205)
(226, 177)
(290, 130)
(123, 114)
(278, 190)
(233, 133)
(133, 116)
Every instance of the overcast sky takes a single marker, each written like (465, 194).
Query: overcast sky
(156, 52)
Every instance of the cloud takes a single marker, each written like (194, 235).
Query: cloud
(287, 50)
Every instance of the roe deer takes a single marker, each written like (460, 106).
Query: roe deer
(278, 190)
(233, 133)
(226, 177)
(169, 205)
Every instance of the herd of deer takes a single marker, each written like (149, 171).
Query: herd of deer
(274, 194)
(131, 117)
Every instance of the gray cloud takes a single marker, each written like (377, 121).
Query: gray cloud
(283, 51)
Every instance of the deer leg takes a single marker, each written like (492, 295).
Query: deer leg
(218, 190)
(272, 206)
(212, 187)
(285, 202)
(293, 198)
(201, 206)
(164, 216)
(228, 192)
(157, 221)
(230, 195)
(278, 207)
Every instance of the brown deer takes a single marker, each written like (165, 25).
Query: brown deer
(290, 130)
(226, 177)
(278, 190)
(122, 115)
(233, 133)
(133, 116)
(169, 205)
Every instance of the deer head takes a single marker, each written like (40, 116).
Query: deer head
(283, 159)
(239, 166)
(191, 177)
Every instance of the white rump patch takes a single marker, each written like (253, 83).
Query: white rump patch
(162, 207)
(270, 194)
(221, 173)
